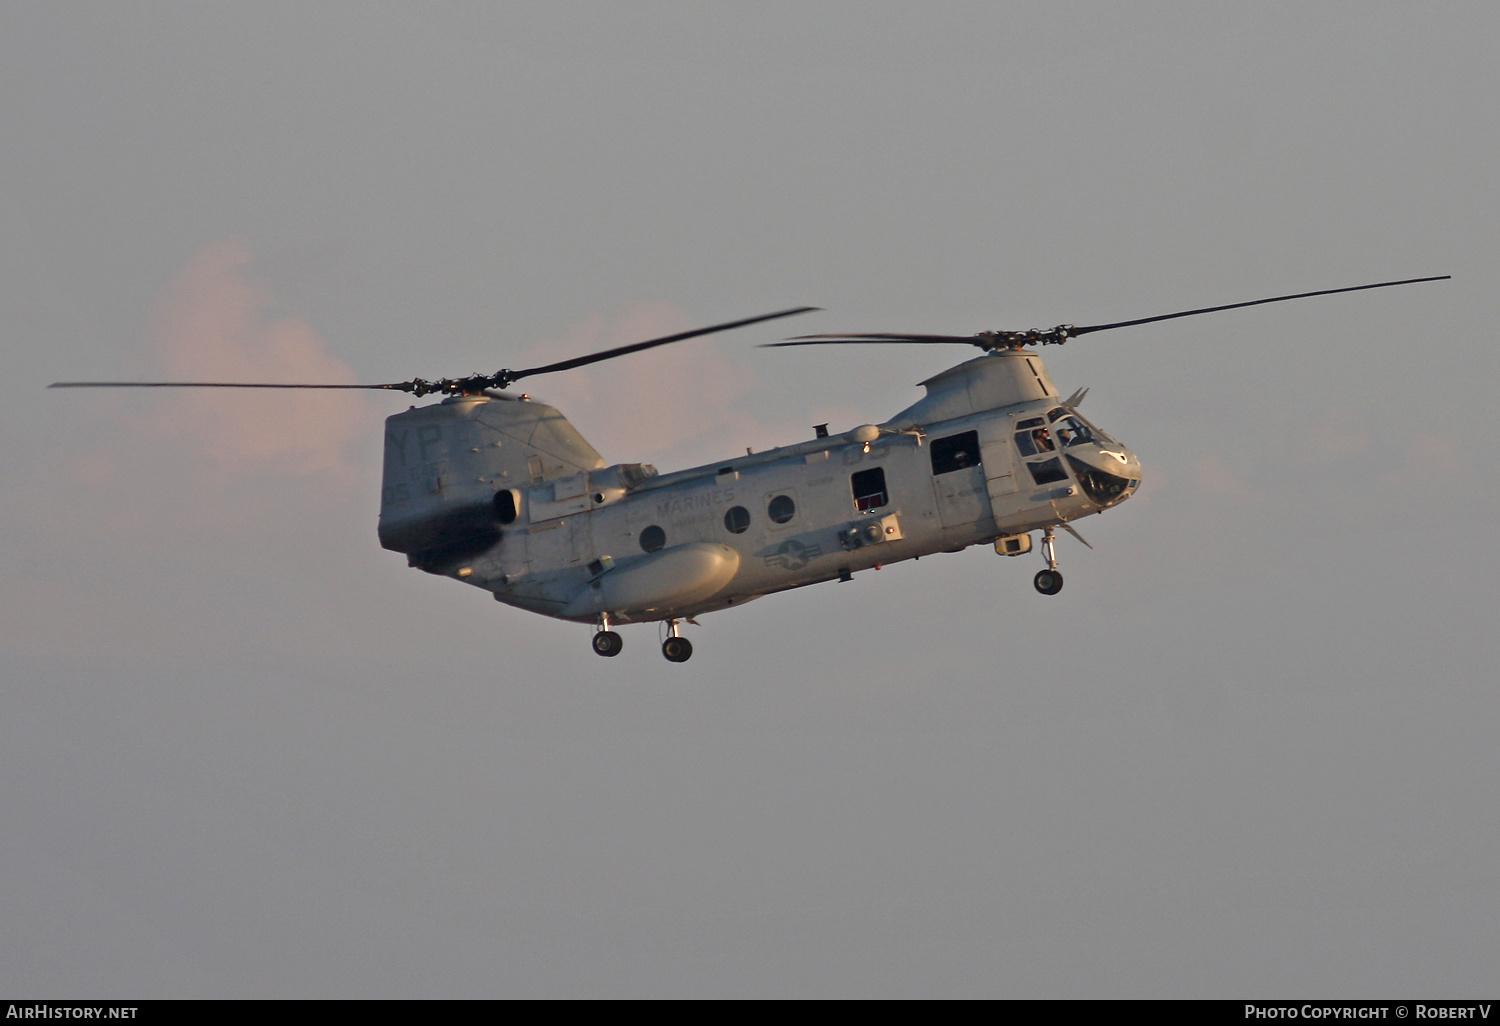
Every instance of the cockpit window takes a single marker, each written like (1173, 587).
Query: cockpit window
(1103, 488)
(1072, 431)
(1047, 471)
(1099, 435)
(1037, 440)
(1061, 411)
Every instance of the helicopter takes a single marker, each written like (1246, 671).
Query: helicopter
(498, 490)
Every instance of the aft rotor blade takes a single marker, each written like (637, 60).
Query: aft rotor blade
(398, 386)
(836, 340)
(473, 384)
(1254, 302)
(610, 354)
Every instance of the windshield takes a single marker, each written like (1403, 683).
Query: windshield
(1072, 431)
(1093, 429)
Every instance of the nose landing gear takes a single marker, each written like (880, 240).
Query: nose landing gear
(676, 648)
(1049, 581)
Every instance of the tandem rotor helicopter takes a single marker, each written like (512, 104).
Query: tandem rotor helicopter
(498, 490)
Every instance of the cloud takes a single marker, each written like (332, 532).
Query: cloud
(673, 406)
(168, 494)
(214, 322)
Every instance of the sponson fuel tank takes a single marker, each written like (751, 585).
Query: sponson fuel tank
(659, 583)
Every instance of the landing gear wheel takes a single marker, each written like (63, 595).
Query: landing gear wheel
(677, 650)
(608, 643)
(1048, 582)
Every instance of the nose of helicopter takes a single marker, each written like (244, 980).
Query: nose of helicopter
(1108, 473)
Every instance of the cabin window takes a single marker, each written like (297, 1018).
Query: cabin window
(956, 452)
(1047, 471)
(736, 519)
(653, 538)
(505, 506)
(869, 489)
(781, 509)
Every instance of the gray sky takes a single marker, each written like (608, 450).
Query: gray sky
(1249, 751)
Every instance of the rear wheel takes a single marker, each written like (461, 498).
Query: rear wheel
(608, 643)
(677, 650)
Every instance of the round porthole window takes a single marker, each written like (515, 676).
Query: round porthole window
(736, 519)
(653, 538)
(781, 509)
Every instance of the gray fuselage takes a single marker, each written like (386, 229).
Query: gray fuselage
(481, 490)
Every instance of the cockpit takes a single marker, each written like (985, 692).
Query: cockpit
(1061, 441)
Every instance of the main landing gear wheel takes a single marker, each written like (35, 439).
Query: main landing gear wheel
(1048, 582)
(677, 650)
(608, 643)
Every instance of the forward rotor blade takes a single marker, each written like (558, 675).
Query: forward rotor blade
(1254, 302)
(610, 354)
(993, 341)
